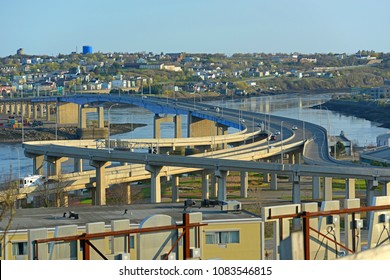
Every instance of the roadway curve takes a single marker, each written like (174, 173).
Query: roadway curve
(312, 136)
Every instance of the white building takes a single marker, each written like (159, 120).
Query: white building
(383, 140)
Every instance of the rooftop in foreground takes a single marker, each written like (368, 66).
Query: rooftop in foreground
(51, 217)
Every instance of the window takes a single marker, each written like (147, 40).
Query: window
(131, 241)
(19, 248)
(223, 237)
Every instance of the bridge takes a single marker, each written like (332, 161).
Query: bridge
(299, 152)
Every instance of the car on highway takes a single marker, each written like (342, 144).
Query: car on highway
(272, 138)
(294, 127)
(277, 132)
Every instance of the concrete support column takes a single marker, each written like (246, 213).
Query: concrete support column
(35, 111)
(38, 165)
(198, 127)
(11, 108)
(296, 189)
(316, 186)
(214, 186)
(54, 165)
(386, 189)
(93, 195)
(350, 188)
(178, 130)
(244, 184)
(274, 181)
(82, 118)
(221, 175)
(17, 108)
(100, 117)
(28, 113)
(101, 183)
(266, 177)
(22, 109)
(175, 188)
(291, 158)
(327, 190)
(78, 165)
(155, 183)
(221, 130)
(41, 110)
(47, 111)
(205, 185)
(126, 190)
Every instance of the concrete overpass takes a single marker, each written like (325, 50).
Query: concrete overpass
(244, 158)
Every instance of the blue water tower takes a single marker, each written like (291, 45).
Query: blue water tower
(87, 49)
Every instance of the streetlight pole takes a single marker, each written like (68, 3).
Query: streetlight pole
(22, 118)
(17, 150)
(109, 121)
(281, 141)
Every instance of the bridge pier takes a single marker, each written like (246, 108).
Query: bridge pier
(157, 125)
(48, 111)
(78, 165)
(296, 189)
(350, 188)
(266, 177)
(41, 110)
(38, 164)
(34, 111)
(54, 165)
(316, 186)
(221, 175)
(327, 189)
(244, 184)
(221, 130)
(214, 186)
(175, 188)
(386, 189)
(205, 184)
(126, 191)
(68, 113)
(101, 184)
(16, 108)
(155, 182)
(274, 181)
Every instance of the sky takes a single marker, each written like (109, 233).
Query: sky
(51, 27)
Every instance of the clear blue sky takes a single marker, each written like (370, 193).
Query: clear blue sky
(210, 26)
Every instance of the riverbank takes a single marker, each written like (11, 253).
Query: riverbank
(370, 111)
(49, 132)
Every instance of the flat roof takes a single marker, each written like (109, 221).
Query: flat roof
(380, 154)
(30, 218)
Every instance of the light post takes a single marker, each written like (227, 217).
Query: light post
(22, 118)
(328, 129)
(281, 141)
(109, 121)
(17, 150)
(222, 106)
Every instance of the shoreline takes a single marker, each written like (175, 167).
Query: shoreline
(8, 136)
(370, 111)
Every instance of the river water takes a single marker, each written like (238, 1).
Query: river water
(362, 132)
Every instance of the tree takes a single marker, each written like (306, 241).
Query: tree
(8, 196)
(340, 149)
